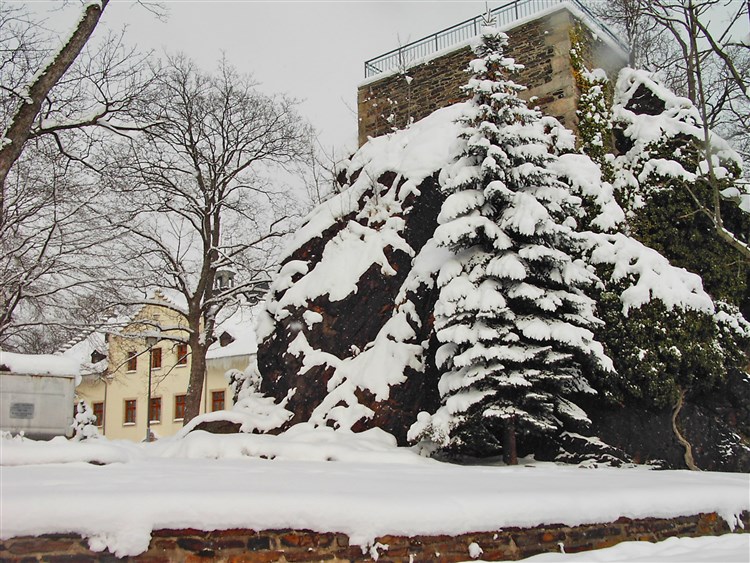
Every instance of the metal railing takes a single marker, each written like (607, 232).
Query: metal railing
(402, 57)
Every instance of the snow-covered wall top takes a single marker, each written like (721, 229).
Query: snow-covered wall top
(39, 364)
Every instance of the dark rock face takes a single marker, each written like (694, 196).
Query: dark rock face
(350, 325)
(218, 427)
(718, 425)
(714, 424)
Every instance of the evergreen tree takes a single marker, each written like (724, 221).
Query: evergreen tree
(512, 317)
(661, 352)
(84, 422)
(662, 183)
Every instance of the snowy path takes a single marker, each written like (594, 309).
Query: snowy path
(722, 549)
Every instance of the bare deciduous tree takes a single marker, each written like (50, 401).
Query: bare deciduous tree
(201, 206)
(58, 108)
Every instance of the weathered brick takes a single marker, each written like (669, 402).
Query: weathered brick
(175, 533)
(192, 544)
(541, 45)
(307, 555)
(163, 544)
(227, 543)
(551, 536)
(451, 557)
(257, 557)
(352, 553)
(72, 558)
(41, 545)
(154, 558)
(497, 554)
(297, 539)
(393, 541)
(231, 532)
(259, 543)
(60, 537)
(240, 546)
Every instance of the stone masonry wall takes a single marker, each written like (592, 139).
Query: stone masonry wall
(248, 546)
(542, 46)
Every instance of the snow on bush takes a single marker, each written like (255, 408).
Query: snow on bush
(649, 275)
(646, 131)
(84, 422)
(251, 410)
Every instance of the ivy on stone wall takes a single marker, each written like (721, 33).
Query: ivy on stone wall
(594, 103)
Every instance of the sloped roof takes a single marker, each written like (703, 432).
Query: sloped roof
(82, 349)
(239, 322)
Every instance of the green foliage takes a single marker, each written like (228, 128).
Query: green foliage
(658, 351)
(669, 223)
(669, 199)
(662, 185)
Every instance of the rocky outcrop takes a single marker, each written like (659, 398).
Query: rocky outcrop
(348, 327)
(346, 338)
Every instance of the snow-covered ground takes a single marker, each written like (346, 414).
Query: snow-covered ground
(722, 549)
(318, 479)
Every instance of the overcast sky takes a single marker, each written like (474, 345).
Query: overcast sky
(312, 50)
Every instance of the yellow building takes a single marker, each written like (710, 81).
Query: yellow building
(116, 366)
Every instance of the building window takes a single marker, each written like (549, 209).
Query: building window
(182, 354)
(217, 400)
(130, 411)
(97, 356)
(132, 360)
(179, 407)
(154, 413)
(99, 414)
(155, 358)
(225, 339)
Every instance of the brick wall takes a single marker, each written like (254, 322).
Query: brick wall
(238, 546)
(542, 46)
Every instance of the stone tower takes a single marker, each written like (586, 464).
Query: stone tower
(412, 81)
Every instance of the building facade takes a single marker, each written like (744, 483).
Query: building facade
(117, 387)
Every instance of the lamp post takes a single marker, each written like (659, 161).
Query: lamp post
(150, 342)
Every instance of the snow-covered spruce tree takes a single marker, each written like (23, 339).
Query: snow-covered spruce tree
(512, 316)
(84, 422)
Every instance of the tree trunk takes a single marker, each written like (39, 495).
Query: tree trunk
(688, 456)
(510, 454)
(20, 125)
(197, 376)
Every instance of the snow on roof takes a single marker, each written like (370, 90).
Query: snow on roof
(83, 351)
(39, 364)
(239, 324)
(174, 298)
